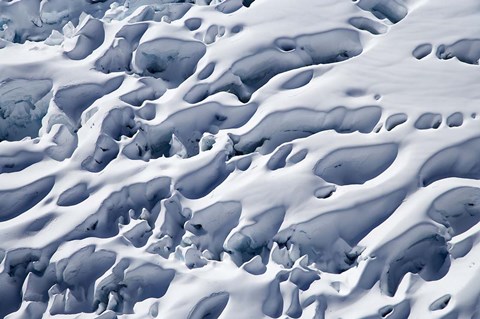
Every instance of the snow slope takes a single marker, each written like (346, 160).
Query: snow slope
(240, 159)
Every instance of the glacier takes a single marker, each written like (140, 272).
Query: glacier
(240, 159)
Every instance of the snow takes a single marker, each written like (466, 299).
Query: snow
(239, 159)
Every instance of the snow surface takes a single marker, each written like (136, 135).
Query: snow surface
(240, 159)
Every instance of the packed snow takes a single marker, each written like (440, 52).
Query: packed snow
(240, 159)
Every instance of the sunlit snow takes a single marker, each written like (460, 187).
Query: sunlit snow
(240, 159)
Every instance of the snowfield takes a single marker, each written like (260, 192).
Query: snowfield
(240, 159)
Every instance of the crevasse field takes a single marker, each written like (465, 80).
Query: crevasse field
(240, 159)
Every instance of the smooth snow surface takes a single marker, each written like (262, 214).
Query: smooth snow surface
(240, 159)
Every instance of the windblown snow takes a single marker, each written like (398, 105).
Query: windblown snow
(240, 159)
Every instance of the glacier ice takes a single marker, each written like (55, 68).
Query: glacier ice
(239, 159)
